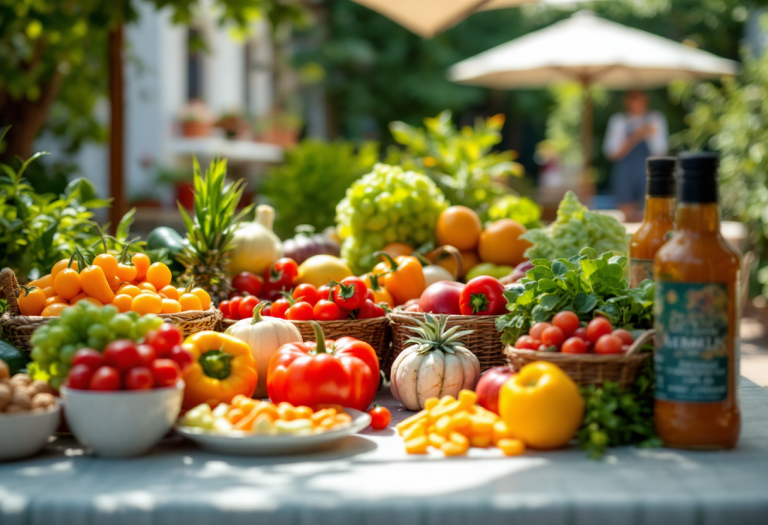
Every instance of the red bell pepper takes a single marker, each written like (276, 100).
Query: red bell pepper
(343, 372)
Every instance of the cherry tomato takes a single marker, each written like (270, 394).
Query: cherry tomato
(182, 357)
(483, 295)
(247, 282)
(328, 311)
(89, 357)
(380, 417)
(246, 306)
(279, 308)
(598, 327)
(234, 307)
(165, 372)
(171, 335)
(624, 335)
(122, 355)
(350, 294)
(79, 377)
(581, 333)
(538, 329)
(267, 310)
(307, 293)
(147, 353)
(324, 292)
(105, 378)
(300, 311)
(574, 345)
(280, 276)
(139, 378)
(370, 310)
(527, 342)
(224, 308)
(553, 336)
(546, 348)
(608, 344)
(566, 321)
(371, 296)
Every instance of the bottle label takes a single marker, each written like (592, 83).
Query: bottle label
(639, 271)
(691, 358)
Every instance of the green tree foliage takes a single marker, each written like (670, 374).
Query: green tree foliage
(313, 179)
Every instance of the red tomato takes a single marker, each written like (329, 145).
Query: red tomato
(350, 294)
(163, 340)
(300, 311)
(546, 348)
(280, 276)
(566, 321)
(147, 353)
(182, 357)
(279, 308)
(324, 292)
(598, 327)
(267, 310)
(553, 336)
(224, 308)
(608, 344)
(234, 307)
(538, 329)
(344, 372)
(105, 378)
(526, 342)
(246, 306)
(370, 295)
(247, 282)
(89, 357)
(307, 293)
(370, 310)
(442, 297)
(574, 345)
(581, 333)
(380, 417)
(483, 295)
(79, 377)
(139, 378)
(328, 311)
(122, 355)
(489, 386)
(165, 372)
(624, 335)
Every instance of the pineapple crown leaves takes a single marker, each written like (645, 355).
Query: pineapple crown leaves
(211, 230)
(431, 335)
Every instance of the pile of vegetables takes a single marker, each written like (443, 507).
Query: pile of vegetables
(585, 284)
(385, 206)
(575, 228)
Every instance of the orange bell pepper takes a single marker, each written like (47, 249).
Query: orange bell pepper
(93, 281)
(376, 283)
(404, 276)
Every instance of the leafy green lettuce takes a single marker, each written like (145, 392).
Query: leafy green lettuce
(575, 228)
(585, 284)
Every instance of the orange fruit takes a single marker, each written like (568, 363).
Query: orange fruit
(49, 291)
(126, 272)
(67, 283)
(147, 286)
(170, 292)
(500, 243)
(32, 302)
(78, 297)
(93, 301)
(460, 227)
(59, 266)
(146, 303)
(159, 275)
(43, 282)
(469, 260)
(108, 264)
(190, 301)
(129, 289)
(115, 283)
(54, 299)
(205, 299)
(123, 302)
(54, 310)
(141, 262)
(170, 306)
(396, 249)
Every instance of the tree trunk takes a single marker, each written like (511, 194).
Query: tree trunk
(116, 127)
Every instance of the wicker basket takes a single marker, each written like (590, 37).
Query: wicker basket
(17, 329)
(485, 342)
(225, 323)
(590, 369)
(374, 331)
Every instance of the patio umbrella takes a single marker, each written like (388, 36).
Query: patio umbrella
(428, 18)
(590, 50)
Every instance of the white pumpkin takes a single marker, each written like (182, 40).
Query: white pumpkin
(435, 365)
(255, 246)
(264, 335)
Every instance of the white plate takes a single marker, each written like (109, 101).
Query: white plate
(249, 443)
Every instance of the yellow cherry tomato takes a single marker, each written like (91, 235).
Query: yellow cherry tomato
(123, 302)
(67, 283)
(54, 310)
(32, 301)
(59, 266)
(78, 297)
(147, 286)
(159, 275)
(147, 304)
(170, 292)
(43, 282)
(49, 291)
(190, 301)
(108, 264)
(129, 289)
(54, 299)
(205, 298)
(126, 272)
(170, 306)
(141, 262)
(93, 301)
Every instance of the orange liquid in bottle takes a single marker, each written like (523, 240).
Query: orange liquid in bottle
(697, 320)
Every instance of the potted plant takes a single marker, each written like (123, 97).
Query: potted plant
(279, 128)
(181, 180)
(195, 119)
(232, 123)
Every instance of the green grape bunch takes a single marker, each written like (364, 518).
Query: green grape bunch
(83, 325)
(385, 206)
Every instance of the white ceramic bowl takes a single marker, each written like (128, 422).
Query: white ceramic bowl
(124, 423)
(25, 434)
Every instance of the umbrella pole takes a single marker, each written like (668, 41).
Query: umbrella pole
(587, 138)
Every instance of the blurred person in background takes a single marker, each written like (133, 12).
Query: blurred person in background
(631, 137)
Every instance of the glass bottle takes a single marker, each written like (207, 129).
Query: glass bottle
(658, 220)
(697, 319)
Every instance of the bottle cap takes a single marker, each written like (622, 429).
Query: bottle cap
(697, 174)
(661, 176)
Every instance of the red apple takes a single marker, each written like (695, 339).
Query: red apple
(489, 385)
(441, 298)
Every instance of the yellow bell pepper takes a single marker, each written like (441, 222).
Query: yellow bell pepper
(223, 368)
(541, 406)
(404, 277)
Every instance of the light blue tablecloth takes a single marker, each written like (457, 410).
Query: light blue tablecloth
(369, 480)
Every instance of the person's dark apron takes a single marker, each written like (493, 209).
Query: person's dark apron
(628, 174)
